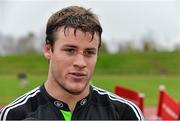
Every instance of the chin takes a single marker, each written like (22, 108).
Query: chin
(75, 92)
(78, 89)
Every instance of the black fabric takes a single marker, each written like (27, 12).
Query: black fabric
(98, 105)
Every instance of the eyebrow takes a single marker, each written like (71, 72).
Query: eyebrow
(91, 49)
(70, 46)
(73, 46)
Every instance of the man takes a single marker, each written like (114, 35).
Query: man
(22, 77)
(73, 39)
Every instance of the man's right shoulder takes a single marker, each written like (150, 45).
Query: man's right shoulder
(19, 107)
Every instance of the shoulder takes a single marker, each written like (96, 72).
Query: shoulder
(127, 108)
(19, 107)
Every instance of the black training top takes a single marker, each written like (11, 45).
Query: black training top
(98, 105)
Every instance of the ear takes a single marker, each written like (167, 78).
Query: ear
(47, 51)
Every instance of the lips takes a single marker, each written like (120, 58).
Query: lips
(77, 75)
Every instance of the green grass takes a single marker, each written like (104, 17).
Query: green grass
(143, 72)
(10, 87)
(141, 63)
(147, 84)
(30, 63)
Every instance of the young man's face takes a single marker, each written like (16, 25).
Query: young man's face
(72, 62)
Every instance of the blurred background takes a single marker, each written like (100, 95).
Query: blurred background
(140, 50)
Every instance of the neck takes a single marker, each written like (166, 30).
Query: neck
(61, 94)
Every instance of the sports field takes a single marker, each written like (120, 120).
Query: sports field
(143, 72)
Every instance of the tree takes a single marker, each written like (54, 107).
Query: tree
(103, 48)
(26, 44)
(149, 42)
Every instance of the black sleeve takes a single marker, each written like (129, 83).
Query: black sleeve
(15, 115)
(132, 113)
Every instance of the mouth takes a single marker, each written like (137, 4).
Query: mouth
(77, 75)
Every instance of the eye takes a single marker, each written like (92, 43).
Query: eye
(89, 53)
(69, 51)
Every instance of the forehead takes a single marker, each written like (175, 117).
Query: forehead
(76, 36)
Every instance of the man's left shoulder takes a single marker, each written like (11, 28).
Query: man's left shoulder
(110, 97)
(118, 103)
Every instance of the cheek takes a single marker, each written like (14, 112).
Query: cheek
(57, 62)
(60, 58)
(61, 63)
(92, 64)
(58, 68)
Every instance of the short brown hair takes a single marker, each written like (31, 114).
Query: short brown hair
(75, 17)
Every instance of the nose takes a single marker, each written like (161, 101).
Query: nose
(79, 61)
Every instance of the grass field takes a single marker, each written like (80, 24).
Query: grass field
(140, 71)
(147, 84)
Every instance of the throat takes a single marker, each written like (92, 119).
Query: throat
(59, 93)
